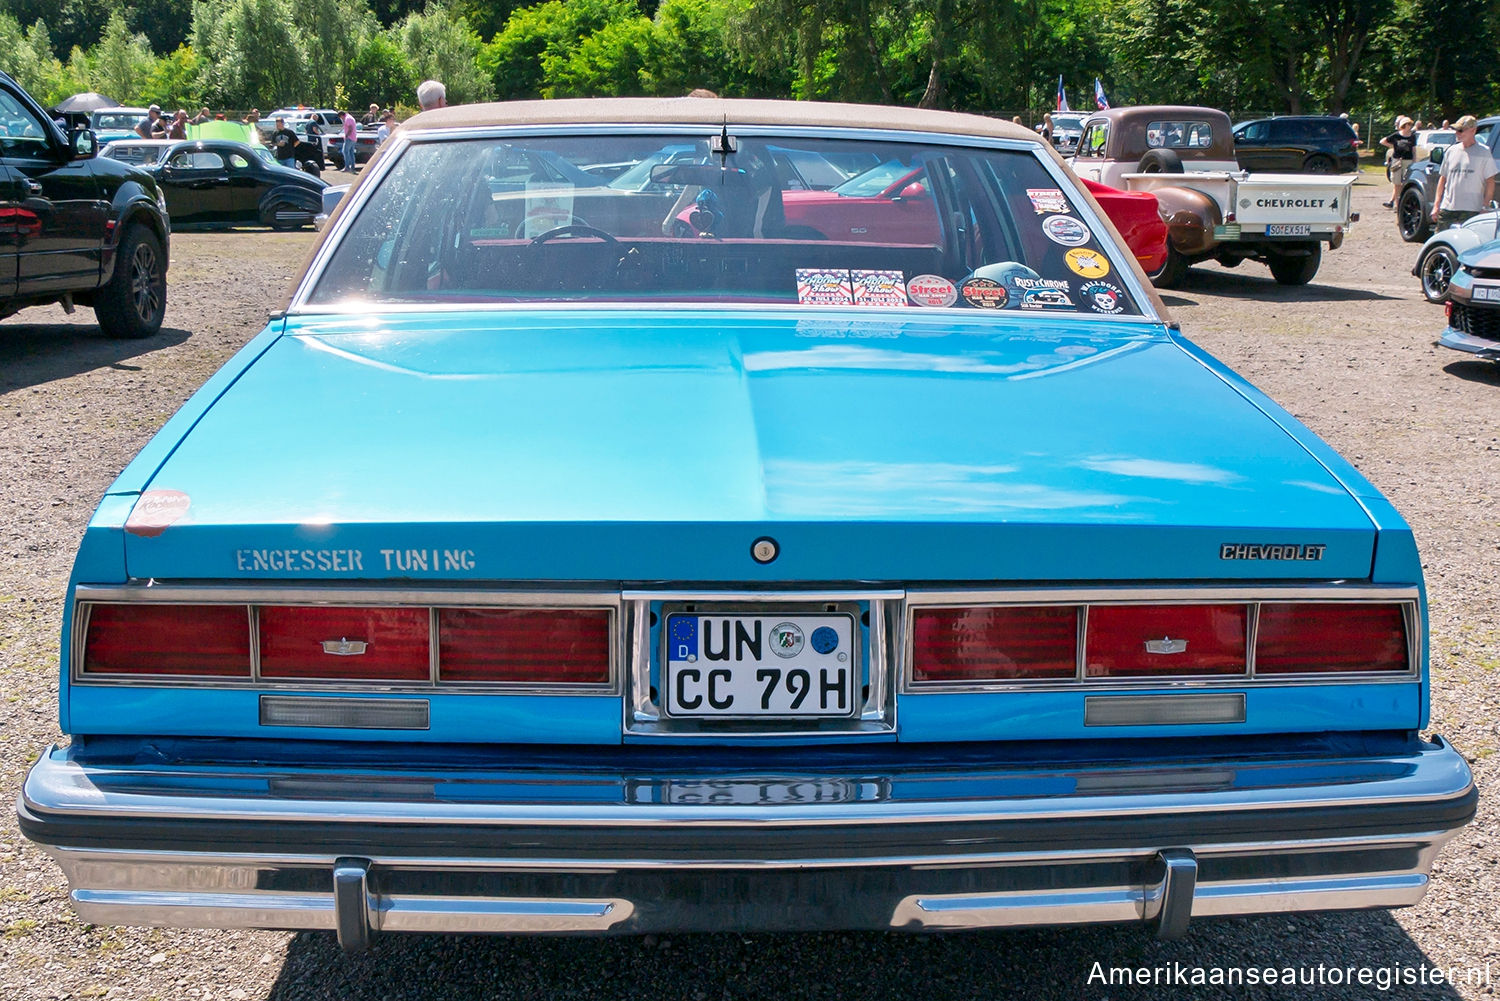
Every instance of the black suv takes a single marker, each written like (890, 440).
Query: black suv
(1414, 204)
(76, 228)
(1313, 144)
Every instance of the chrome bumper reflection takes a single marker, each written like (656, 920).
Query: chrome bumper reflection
(968, 847)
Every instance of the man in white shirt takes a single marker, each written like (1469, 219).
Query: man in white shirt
(1466, 181)
(387, 123)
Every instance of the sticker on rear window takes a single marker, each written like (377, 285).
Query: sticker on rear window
(1048, 200)
(1066, 230)
(878, 288)
(824, 287)
(931, 290)
(985, 293)
(1102, 297)
(1087, 263)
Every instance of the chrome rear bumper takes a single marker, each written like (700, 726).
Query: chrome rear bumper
(543, 850)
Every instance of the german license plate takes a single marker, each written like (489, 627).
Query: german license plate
(1288, 229)
(757, 666)
(1486, 293)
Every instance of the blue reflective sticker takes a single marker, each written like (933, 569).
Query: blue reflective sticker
(825, 639)
(682, 638)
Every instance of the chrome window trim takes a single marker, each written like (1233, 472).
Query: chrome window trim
(1408, 597)
(877, 715)
(364, 189)
(85, 596)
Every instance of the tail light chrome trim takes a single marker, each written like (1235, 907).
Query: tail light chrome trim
(87, 596)
(1253, 597)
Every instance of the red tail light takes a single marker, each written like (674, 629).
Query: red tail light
(1331, 638)
(548, 646)
(209, 640)
(363, 644)
(1126, 641)
(995, 643)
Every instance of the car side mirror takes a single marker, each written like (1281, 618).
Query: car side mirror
(85, 144)
(1436, 156)
(913, 190)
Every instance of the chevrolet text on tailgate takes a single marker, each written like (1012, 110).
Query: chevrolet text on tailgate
(635, 559)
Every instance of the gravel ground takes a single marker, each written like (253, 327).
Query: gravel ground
(1352, 355)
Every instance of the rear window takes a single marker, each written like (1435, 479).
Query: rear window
(812, 222)
(1179, 135)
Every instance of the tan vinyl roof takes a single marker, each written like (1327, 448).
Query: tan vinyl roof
(713, 112)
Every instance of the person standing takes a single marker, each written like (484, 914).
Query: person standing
(152, 127)
(372, 117)
(1402, 150)
(315, 139)
(1046, 127)
(350, 146)
(387, 126)
(432, 94)
(201, 117)
(178, 128)
(284, 144)
(1466, 180)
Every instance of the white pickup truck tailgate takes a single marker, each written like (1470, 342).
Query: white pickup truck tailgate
(1319, 200)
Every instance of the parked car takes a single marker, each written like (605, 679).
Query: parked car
(1414, 204)
(75, 228)
(602, 580)
(138, 152)
(219, 182)
(1430, 139)
(1473, 307)
(110, 124)
(1213, 210)
(1067, 129)
(1437, 261)
(1313, 144)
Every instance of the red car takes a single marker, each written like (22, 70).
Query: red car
(890, 204)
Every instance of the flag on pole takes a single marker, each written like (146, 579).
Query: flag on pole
(1062, 95)
(1100, 100)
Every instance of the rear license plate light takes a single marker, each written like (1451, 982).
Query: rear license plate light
(1331, 638)
(995, 643)
(345, 643)
(138, 638)
(521, 645)
(1131, 641)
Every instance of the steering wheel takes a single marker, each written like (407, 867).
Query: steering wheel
(572, 229)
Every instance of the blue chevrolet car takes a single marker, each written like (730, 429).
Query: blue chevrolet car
(548, 566)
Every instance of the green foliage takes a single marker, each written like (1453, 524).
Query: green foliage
(540, 39)
(381, 74)
(251, 53)
(173, 80)
(121, 62)
(442, 46)
(331, 33)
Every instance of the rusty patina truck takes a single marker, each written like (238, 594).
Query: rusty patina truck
(1214, 210)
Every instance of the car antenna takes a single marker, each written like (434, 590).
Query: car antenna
(724, 144)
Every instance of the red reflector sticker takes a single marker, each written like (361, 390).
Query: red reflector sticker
(994, 643)
(356, 644)
(546, 646)
(208, 640)
(1331, 638)
(1126, 641)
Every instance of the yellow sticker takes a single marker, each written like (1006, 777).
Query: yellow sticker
(1088, 263)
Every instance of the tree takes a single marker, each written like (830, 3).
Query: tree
(332, 32)
(173, 81)
(381, 74)
(121, 61)
(250, 51)
(442, 46)
(516, 61)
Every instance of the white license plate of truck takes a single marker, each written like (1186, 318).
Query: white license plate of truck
(749, 665)
(1288, 229)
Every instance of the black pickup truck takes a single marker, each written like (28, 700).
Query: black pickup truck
(75, 228)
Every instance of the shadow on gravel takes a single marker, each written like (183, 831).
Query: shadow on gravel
(1248, 285)
(1040, 965)
(35, 353)
(1475, 371)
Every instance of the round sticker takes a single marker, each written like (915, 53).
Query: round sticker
(1102, 297)
(1088, 263)
(825, 639)
(786, 639)
(985, 293)
(155, 511)
(1065, 230)
(931, 290)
